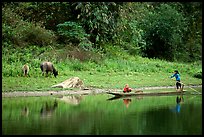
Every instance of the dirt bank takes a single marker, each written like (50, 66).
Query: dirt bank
(75, 92)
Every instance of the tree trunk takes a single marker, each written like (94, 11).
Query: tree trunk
(73, 82)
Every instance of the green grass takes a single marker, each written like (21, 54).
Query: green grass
(97, 72)
(95, 80)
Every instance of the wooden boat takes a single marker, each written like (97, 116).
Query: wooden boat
(141, 93)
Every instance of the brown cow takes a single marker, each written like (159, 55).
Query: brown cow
(25, 69)
(48, 67)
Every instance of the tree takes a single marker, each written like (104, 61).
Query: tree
(193, 37)
(129, 31)
(98, 19)
(164, 32)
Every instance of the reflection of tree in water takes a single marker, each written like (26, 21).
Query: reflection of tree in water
(25, 111)
(75, 100)
(47, 110)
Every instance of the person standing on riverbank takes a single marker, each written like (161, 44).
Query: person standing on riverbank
(178, 79)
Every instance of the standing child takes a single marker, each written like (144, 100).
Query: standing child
(178, 79)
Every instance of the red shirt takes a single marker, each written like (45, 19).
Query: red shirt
(127, 89)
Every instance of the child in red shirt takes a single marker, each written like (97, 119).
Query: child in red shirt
(127, 88)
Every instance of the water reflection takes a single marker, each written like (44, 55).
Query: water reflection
(179, 100)
(47, 110)
(96, 116)
(127, 102)
(74, 100)
(25, 111)
(139, 97)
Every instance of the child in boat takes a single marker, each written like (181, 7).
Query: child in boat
(178, 79)
(127, 89)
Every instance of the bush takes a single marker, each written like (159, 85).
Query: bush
(198, 75)
(74, 33)
(164, 29)
(24, 33)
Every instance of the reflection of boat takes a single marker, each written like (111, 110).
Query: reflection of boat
(125, 97)
(121, 94)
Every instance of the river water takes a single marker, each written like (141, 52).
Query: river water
(100, 114)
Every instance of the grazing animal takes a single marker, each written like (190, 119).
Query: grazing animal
(48, 67)
(25, 69)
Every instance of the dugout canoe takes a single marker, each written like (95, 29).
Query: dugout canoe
(141, 93)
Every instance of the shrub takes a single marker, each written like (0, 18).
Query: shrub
(74, 33)
(23, 33)
(198, 75)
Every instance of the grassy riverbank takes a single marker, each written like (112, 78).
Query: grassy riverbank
(104, 52)
(95, 80)
(102, 73)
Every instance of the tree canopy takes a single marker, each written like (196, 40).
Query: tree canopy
(171, 31)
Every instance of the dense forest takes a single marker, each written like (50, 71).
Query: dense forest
(169, 31)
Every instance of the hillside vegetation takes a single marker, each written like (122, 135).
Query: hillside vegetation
(106, 44)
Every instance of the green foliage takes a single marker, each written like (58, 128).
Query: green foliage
(77, 66)
(148, 28)
(99, 20)
(99, 72)
(14, 59)
(22, 33)
(164, 29)
(7, 33)
(198, 75)
(73, 32)
(139, 28)
(48, 14)
(193, 37)
(113, 51)
(101, 42)
(128, 31)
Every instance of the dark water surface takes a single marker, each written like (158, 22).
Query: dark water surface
(97, 115)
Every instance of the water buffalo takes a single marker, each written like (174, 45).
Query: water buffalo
(25, 69)
(48, 67)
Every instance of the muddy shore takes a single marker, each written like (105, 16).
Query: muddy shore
(76, 92)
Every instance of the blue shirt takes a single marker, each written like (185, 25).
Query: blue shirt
(178, 108)
(177, 76)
